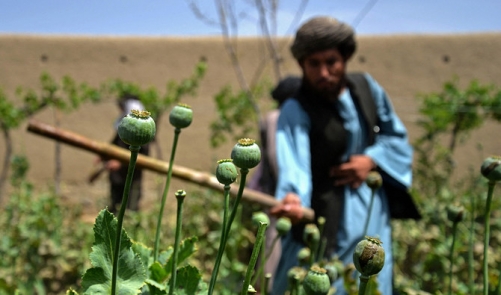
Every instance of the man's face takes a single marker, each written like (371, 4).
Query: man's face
(324, 70)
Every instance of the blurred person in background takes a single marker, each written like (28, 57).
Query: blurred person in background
(117, 171)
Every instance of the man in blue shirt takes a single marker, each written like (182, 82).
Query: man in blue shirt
(326, 147)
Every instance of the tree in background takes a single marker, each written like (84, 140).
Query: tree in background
(155, 102)
(447, 119)
(63, 95)
(238, 111)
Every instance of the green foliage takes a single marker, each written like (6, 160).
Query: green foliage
(447, 119)
(205, 220)
(43, 245)
(237, 113)
(151, 98)
(131, 271)
(421, 249)
(136, 267)
(64, 95)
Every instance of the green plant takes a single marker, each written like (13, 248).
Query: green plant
(66, 95)
(421, 248)
(180, 117)
(43, 244)
(447, 119)
(236, 113)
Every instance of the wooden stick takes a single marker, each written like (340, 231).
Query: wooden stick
(114, 152)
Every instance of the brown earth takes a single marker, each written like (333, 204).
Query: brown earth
(404, 65)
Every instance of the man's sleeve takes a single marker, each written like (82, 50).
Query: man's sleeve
(391, 151)
(293, 153)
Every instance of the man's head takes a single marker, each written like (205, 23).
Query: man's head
(322, 47)
(320, 33)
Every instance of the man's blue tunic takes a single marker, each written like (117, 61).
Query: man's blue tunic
(391, 152)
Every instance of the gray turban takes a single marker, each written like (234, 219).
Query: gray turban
(322, 33)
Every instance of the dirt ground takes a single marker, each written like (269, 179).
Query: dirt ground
(405, 65)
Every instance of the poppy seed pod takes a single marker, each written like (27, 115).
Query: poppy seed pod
(316, 281)
(283, 225)
(181, 116)
(226, 171)
(491, 168)
(374, 180)
(260, 218)
(455, 213)
(311, 234)
(332, 271)
(295, 275)
(137, 128)
(368, 256)
(304, 255)
(246, 154)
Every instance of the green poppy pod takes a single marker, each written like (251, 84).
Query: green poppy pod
(283, 225)
(295, 275)
(316, 281)
(455, 213)
(181, 116)
(368, 256)
(332, 271)
(374, 180)
(246, 154)
(137, 128)
(304, 255)
(260, 217)
(311, 234)
(226, 171)
(491, 168)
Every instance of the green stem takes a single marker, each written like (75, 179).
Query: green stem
(364, 280)
(164, 195)
(260, 273)
(254, 256)
(226, 206)
(261, 268)
(451, 254)
(371, 204)
(264, 288)
(134, 150)
(498, 287)
(323, 240)
(226, 230)
(321, 249)
(180, 195)
(486, 236)
(470, 248)
(222, 240)
(314, 250)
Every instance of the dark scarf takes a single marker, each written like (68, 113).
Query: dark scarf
(328, 143)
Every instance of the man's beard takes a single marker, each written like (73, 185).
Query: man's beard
(330, 93)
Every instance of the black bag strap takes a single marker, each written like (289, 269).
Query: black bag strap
(400, 200)
(364, 101)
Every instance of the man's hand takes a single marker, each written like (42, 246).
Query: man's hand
(354, 172)
(289, 207)
(113, 165)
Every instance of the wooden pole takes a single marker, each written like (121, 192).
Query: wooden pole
(144, 162)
